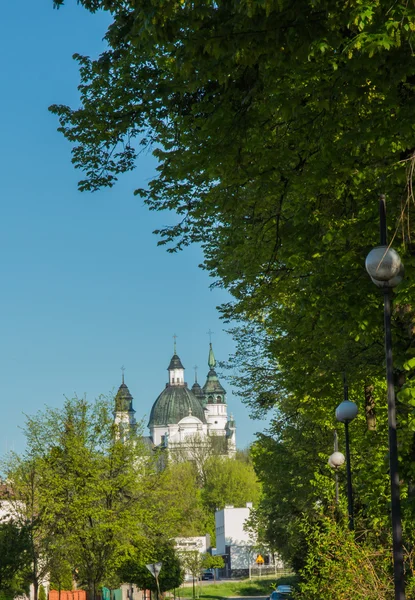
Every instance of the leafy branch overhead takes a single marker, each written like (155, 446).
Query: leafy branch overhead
(276, 124)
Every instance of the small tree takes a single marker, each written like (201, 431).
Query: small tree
(79, 485)
(42, 593)
(61, 574)
(134, 569)
(14, 559)
(212, 562)
(192, 562)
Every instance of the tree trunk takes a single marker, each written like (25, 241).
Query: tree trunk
(370, 408)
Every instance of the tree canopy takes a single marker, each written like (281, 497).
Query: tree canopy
(276, 125)
(80, 491)
(14, 560)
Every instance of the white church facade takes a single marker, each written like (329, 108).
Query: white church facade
(182, 416)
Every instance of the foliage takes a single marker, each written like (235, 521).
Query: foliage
(82, 491)
(61, 574)
(42, 593)
(198, 450)
(14, 559)
(229, 481)
(192, 561)
(175, 502)
(291, 461)
(338, 567)
(276, 125)
(27, 511)
(171, 575)
(210, 561)
(190, 498)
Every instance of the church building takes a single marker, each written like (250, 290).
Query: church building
(181, 416)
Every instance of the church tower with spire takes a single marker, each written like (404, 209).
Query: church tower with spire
(215, 399)
(124, 413)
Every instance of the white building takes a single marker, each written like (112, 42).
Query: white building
(200, 544)
(238, 547)
(181, 416)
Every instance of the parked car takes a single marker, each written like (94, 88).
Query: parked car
(282, 592)
(207, 575)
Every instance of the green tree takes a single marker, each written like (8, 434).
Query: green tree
(276, 124)
(14, 559)
(90, 489)
(229, 481)
(192, 562)
(60, 570)
(134, 569)
(210, 561)
(273, 126)
(26, 509)
(180, 499)
(42, 593)
(198, 450)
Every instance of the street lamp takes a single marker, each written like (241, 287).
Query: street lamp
(335, 461)
(345, 413)
(386, 271)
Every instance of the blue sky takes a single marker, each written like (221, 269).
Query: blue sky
(85, 287)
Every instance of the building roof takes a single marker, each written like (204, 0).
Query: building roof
(175, 363)
(197, 391)
(174, 403)
(212, 385)
(211, 358)
(123, 399)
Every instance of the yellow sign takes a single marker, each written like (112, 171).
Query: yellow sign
(259, 560)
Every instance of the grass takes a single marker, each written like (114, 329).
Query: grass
(229, 589)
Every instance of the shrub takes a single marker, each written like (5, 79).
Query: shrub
(42, 593)
(338, 567)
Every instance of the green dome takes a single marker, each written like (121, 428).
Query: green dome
(174, 403)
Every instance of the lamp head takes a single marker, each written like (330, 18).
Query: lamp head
(336, 460)
(384, 265)
(346, 411)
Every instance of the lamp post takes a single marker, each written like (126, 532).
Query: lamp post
(345, 413)
(335, 461)
(386, 271)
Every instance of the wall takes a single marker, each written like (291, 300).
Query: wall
(229, 523)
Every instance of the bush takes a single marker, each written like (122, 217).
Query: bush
(42, 593)
(339, 568)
